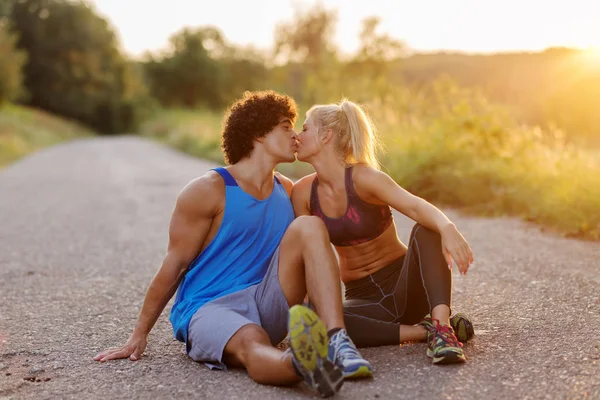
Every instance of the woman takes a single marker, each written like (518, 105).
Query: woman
(394, 293)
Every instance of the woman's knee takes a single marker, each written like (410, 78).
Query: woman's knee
(425, 235)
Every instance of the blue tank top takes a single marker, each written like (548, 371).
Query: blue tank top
(239, 254)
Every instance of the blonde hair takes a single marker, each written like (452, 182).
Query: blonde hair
(356, 138)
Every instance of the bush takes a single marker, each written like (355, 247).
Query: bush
(455, 149)
(11, 65)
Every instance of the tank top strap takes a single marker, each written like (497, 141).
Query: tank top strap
(227, 177)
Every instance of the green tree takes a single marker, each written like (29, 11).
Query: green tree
(201, 69)
(75, 68)
(187, 75)
(245, 69)
(368, 73)
(312, 58)
(308, 39)
(5, 11)
(11, 65)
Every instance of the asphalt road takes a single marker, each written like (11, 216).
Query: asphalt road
(83, 228)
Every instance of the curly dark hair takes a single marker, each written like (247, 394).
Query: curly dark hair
(252, 117)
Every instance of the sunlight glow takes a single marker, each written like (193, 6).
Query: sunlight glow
(463, 25)
(592, 55)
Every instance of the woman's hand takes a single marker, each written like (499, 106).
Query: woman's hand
(456, 247)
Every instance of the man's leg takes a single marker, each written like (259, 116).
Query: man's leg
(226, 332)
(307, 264)
(251, 348)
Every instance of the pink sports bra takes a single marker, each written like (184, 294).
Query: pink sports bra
(361, 222)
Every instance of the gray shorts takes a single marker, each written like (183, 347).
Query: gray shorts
(213, 325)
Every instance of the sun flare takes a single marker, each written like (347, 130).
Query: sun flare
(592, 55)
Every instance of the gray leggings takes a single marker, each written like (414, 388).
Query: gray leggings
(400, 293)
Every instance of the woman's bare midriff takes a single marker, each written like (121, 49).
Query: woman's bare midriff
(363, 259)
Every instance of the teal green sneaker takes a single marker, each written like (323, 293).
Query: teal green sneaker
(442, 345)
(309, 345)
(461, 324)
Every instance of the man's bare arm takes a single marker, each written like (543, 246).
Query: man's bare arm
(190, 224)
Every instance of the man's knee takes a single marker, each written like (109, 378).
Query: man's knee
(245, 341)
(309, 227)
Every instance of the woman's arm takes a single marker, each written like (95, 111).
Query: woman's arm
(378, 187)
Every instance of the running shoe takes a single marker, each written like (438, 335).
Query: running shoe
(310, 346)
(442, 345)
(344, 354)
(461, 324)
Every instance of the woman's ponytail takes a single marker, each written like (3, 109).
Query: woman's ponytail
(363, 139)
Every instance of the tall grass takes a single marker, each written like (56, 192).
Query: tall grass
(452, 147)
(194, 132)
(24, 130)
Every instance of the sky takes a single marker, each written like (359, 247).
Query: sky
(480, 26)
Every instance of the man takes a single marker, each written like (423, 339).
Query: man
(240, 260)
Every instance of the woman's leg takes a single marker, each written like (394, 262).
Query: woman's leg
(370, 324)
(388, 314)
(425, 283)
(367, 324)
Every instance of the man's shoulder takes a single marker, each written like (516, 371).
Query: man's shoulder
(287, 183)
(210, 181)
(208, 189)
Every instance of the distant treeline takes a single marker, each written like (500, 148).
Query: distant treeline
(559, 86)
(61, 56)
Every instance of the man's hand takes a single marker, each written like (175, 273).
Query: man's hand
(456, 247)
(133, 349)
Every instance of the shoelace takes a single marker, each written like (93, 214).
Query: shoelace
(342, 343)
(446, 333)
(428, 324)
